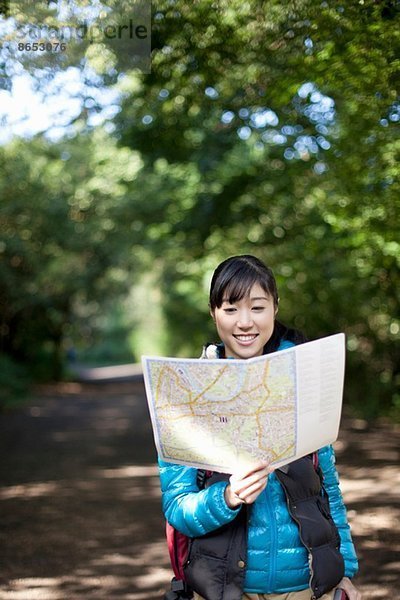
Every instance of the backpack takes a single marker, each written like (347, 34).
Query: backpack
(178, 546)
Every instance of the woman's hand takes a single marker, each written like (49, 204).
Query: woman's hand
(245, 486)
(352, 592)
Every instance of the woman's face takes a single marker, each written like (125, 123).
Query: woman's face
(246, 326)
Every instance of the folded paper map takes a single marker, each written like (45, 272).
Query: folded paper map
(222, 415)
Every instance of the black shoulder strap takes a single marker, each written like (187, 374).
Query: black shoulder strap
(299, 479)
(202, 476)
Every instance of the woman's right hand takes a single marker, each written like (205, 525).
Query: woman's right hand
(245, 486)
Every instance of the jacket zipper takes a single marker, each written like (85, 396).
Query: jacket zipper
(272, 521)
(308, 548)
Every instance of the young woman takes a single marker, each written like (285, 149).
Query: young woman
(260, 534)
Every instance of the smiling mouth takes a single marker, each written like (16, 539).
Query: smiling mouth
(245, 338)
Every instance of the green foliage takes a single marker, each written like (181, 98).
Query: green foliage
(103, 338)
(264, 127)
(14, 382)
(60, 243)
(286, 118)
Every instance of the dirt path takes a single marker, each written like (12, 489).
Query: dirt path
(80, 502)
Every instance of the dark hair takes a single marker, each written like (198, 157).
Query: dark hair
(232, 281)
(235, 276)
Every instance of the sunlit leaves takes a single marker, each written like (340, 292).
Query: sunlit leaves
(264, 127)
(287, 114)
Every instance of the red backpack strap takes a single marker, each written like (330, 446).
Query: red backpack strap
(315, 460)
(177, 548)
(177, 542)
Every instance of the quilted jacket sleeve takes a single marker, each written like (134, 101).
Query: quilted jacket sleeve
(338, 510)
(191, 511)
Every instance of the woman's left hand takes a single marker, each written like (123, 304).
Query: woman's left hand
(352, 592)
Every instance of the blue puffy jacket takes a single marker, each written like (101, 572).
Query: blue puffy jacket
(277, 561)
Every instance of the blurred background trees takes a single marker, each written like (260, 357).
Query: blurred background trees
(264, 127)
